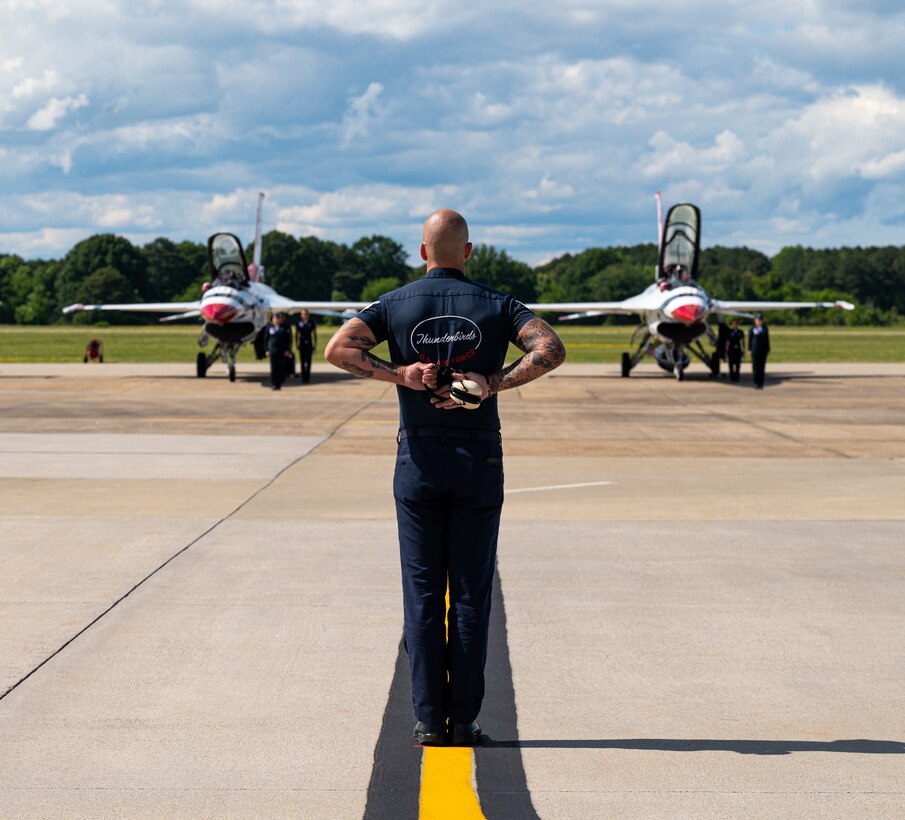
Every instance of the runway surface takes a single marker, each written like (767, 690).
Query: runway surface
(699, 609)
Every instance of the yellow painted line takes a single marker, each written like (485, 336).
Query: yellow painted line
(447, 778)
(447, 785)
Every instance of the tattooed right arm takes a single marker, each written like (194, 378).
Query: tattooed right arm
(349, 349)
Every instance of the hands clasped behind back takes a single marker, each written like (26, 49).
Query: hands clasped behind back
(442, 400)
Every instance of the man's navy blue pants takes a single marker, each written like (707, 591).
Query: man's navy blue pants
(449, 494)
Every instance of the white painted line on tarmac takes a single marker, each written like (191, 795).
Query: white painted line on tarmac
(558, 487)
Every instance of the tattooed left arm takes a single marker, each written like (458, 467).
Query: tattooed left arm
(543, 350)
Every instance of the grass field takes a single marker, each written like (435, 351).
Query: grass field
(584, 344)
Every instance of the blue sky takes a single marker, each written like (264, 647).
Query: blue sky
(549, 128)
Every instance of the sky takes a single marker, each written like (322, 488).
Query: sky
(548, 126)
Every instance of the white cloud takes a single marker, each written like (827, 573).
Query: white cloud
(32, 85)
(117, 212)
(359, 114)
(63, 160)
(46, 119)
(557, 121)
(679, 158)
(366, 205)
(393, 19)
(848, 133)
(47, 243)
(889, 165)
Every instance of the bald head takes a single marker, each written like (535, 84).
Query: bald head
(444, 240)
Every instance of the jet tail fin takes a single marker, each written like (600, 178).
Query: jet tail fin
(659, 234)
(256, 269)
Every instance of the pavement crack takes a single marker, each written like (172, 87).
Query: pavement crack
(188, 546)
(765, 429)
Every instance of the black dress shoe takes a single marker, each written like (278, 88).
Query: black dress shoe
(465, 734)
(428, 735)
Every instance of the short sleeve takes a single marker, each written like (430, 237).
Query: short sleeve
(375, 317)
(519, 316)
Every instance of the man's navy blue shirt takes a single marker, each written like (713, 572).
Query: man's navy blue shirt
(447, 319)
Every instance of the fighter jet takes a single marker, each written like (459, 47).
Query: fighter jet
(235, 305)
(675, 308)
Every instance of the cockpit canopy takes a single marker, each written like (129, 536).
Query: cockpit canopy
(681, 243)
(226, 260)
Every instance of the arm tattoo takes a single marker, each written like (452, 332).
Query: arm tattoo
(355, 370)
(352, 344)
(361, 342)
(543, 350)
(378, 364)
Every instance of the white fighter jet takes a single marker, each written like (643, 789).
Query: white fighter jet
(674, 309)
(235, 305)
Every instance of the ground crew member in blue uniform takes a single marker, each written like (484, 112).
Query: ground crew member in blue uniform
(279, 349)
(759, 347)
(448, 483)
(721, 340)
(735, 350)
(306, 341)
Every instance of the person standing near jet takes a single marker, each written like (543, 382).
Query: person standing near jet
(306, 341)
(448, 483)
(759, 346)
(735, 350)
(721, 342)
(279, 349)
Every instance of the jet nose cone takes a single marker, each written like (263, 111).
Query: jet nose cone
(689, 313)
(219, 314)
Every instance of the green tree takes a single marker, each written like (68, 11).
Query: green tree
(569, 278)
(318, 262)
(373, 257)
(498, 270)
(106, 286)
(28, 290)
(173, 267)
(9, 264)
(281, 258)
(377, 287)
(103, 251)
(299, 268)
(619, 281)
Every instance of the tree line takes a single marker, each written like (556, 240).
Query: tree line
(107, 268)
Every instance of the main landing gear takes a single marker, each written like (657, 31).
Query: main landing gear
(626, 365)
(711, 360)
(629, 360)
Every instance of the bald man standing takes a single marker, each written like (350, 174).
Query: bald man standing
(448, 483)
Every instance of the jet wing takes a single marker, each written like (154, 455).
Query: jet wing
(140, 307)
(190, 314)
(281, 303)
(650, 299)
(728, 306)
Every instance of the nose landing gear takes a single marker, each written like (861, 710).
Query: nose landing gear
(225, 353)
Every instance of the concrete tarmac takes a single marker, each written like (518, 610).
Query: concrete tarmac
(702, 592)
